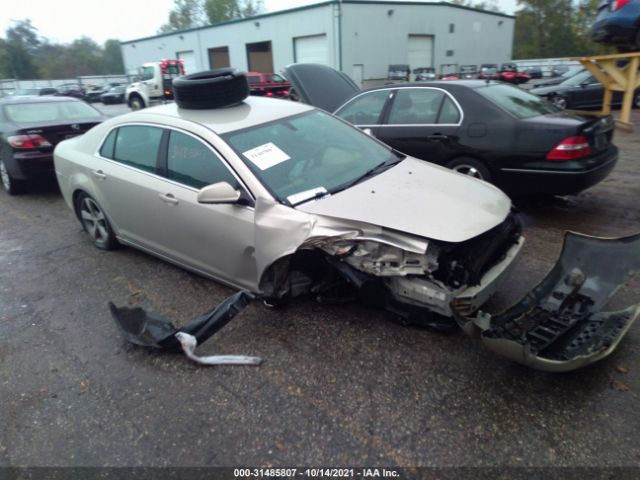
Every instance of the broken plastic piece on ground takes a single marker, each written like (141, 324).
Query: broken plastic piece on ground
(559, 326)
(148, 329)
(189, 344)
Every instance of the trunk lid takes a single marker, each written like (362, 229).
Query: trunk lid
(57, 133)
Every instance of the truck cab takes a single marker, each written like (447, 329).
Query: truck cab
(155, 84)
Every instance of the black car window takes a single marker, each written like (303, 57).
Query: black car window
(107, 147)
(415, 106)
(516, 101)
(137, 145)
(192, 163)
(449, 112)
(365, 109)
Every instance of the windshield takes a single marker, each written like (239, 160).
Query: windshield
(578, 78)
(304, 156)
(571, 72)
(516, 101)
(50, 112)
(117, 90)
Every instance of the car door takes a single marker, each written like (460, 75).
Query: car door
(365, 111)
(126, 183)
(589, 93)
(217, 240)
(422, 122)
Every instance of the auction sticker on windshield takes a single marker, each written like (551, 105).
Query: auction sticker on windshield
(266, 156)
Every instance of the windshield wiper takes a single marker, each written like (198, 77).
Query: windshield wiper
(372, 172)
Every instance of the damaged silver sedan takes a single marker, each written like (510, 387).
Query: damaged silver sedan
(281, 199)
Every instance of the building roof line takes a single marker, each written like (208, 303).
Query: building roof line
(309, 7)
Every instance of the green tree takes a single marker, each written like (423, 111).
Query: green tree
(488, 5)
(112, 57)
(184, 14)
(19, 47)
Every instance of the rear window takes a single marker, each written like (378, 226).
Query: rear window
(517, 102)
(50, 112)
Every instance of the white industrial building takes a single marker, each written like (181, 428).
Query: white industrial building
(361, 38)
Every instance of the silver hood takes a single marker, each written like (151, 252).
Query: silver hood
(421, 199)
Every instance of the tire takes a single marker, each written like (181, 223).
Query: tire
(559, 101)
(95, 222)
(636, 99)
(10, 184)
(470, 166)
(136, 102)
(222, 87)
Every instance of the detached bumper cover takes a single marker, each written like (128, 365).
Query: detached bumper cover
(559, 326)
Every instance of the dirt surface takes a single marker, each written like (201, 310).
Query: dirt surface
(339, 385)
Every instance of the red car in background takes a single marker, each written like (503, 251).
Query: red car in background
(268, 85)
(509, 73)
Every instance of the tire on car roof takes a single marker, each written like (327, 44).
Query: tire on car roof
(217, 88)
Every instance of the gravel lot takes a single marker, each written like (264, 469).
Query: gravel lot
(339, 385)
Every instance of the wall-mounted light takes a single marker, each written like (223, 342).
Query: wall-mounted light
(257, 24)
(500, 22)
(133, 45)
(390, 12)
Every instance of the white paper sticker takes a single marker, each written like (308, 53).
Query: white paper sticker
(266, 156)
(306, 195)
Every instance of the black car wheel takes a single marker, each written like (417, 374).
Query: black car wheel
(217, 88)
(559, 101)
(136, 103)
(12, 186)
(636, 100)
(95, 222)
(470, 166)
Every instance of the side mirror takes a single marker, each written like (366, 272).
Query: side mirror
(217, 193)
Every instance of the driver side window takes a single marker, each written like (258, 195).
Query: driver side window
(192, 163)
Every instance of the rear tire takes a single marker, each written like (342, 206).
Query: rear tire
(217, 88)
(470, 166)
(95, 222)
(10, 184)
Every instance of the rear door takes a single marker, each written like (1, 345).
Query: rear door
(422, 122)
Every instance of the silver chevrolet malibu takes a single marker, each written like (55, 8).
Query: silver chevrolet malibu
(283, 199)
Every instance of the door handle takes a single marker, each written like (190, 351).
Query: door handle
(168, 198)
(99, 174)
(437, 136)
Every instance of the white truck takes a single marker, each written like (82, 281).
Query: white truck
(155, 83)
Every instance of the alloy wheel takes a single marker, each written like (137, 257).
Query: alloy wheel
(94, 221)
(4, 175)
(468, 170)
(559, 102)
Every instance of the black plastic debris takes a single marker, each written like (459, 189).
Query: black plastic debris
(149, 329)
(560, 325)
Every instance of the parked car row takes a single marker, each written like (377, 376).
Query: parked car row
(110, 93)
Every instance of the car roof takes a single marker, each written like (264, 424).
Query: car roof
(252, 111)
(445, 84)
(36, 99)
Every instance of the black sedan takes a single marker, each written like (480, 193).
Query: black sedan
(489, 130)
(30, 128)
(581, 91)
(114, 95)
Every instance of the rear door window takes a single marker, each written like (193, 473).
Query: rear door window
(415, 106)
(137, 146)
(107, 146)
(365, 109)
(449, 112)
(192, 163)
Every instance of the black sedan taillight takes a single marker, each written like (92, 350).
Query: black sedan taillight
(571, 148)
(25, 142)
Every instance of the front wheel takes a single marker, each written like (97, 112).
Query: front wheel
(636, 99)
(559, 101)
(136, 103)
(95, 222)
(472, 167)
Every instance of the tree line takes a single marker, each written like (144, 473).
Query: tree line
(543, 28)
(26, 55)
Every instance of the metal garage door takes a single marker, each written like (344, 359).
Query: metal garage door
(189, 61)
(312, 49)
(420, 51)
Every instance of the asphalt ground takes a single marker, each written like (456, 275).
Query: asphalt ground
(340, 385)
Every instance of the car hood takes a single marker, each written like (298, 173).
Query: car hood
(422, 199)
(320, 86)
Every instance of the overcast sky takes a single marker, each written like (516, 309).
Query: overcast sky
(65, 20)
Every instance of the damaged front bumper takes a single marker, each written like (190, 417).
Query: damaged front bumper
(559, 326)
